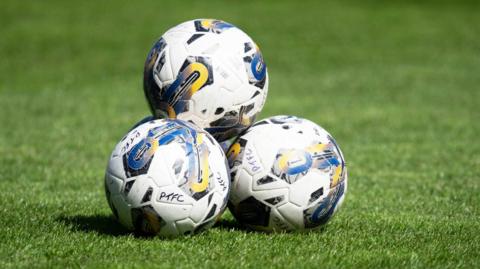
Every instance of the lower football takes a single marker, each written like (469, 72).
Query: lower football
(167, 178)
(288, 174)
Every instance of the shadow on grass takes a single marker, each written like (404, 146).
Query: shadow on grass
(95, 223)
(232, 225)
(107, 225)
(229, 224)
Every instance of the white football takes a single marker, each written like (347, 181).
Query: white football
(167, 177)
(208, 72)
(287, 174)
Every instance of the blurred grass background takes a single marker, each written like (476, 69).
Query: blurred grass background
(396, 83)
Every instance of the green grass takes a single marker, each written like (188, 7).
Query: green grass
(396, 83)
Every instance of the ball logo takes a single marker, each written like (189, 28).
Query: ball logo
(195, 74)
(196, 178)
(258, 66)
(199, 186)
(213, 26)
(142, 152)
(255, 65)
(294, 162)
(291, 164)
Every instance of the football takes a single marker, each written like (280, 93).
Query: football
(288, 174)
(167, 177)
(208, 72)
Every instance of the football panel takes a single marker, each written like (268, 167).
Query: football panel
(177, 52)
(278, 223)
(241, 186)
(267, 182)
(115, 167)
(123, 210)
(206, 106)
(185, 226)
(139, 190)
(320, 213)
(272, 198)
(293, 214)
(200, 208)
(309, 188)
(113, 183)
(172, 212)
(164, 169)
(205, 225)
(169, 230)
(163, 70)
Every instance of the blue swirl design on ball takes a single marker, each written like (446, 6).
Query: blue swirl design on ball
(258, 67)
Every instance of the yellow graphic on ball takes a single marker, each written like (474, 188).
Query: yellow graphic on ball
(203, 184)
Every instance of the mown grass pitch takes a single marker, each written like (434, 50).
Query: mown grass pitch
(396, 83)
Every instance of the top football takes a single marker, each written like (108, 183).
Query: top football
(207, 72)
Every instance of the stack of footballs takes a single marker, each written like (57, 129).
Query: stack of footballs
(175, 172)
